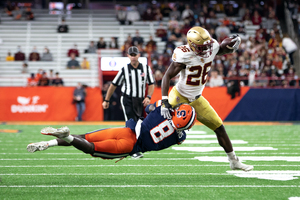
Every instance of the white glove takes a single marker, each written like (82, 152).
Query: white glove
(165, 109)
(237, 165)
(237, 40)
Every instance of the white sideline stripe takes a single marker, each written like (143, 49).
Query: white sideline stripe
(149, 186)
(90, 166)
(200, 136)
(206, 149)
(212, 142)
(252, 158)
(117, 174)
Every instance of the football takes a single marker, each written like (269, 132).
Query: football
(227, 44)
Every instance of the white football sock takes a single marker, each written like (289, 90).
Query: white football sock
(52, 143)
(231, 155)
(68, 139)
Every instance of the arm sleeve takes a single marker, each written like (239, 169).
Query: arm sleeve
(119, 78)
(178, 56)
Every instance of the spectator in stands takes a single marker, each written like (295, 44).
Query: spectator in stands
(172, 24)
(125, 48)
(290, 47)
(222, 32)
(17, 13)
(122, 15)
(177, 33)
(9, 8)
(158, 16)
(275, 80)
(39, 74)
(229, 10)
(50, 76)
(73, 50)
(73, 63)
(165, 9)
(158, 66)
(101, 44)
(113, 44)
(183, 30)
(187, 13)
(291, 76)
(271, 19)
(262, 80)
(233, 84)
(79, 99)
(32, 80)
(9, 57)
(63, 27)
(57, 81)
(91, 48)
(19, 56)
(29, 14)
(34, 55)
(133, 15)
(170, 43)
(256, 18)
(247, 18)
(215, 79)
(129, 40)
(24, 68)
(44, 80)
(85, 64)
(137, 39)
(151, 47)
(148, 15)
(175, 14)
(242, 10)
(161, 32)
(47, 56)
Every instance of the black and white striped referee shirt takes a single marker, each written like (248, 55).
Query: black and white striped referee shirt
(133, 80)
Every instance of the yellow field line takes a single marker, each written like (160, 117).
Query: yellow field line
(122, 123)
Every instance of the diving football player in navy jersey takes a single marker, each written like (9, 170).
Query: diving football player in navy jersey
(154, 133)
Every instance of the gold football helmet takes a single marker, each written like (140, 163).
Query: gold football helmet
(200, 41)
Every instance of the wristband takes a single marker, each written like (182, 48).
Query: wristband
(106, 101)
(164, 97)
(149, 97)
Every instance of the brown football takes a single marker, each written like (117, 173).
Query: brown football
(226, 44)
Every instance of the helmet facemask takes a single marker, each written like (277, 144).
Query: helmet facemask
(205, 50)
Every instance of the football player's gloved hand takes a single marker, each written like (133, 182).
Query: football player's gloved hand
(237, 40)
(166, 109)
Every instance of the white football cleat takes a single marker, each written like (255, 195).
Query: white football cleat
(237, 165)
(38, 146)
(58, 132)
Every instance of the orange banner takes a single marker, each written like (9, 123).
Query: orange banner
(47, 104)
(217, 97)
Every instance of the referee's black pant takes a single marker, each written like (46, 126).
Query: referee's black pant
(132, 107)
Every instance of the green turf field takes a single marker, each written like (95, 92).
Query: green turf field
(197, 169)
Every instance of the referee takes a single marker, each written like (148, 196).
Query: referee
(133, 78)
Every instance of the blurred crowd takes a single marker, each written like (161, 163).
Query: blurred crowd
(263, 60)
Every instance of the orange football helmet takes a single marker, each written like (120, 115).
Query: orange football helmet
(183, 117)
(200, 41)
